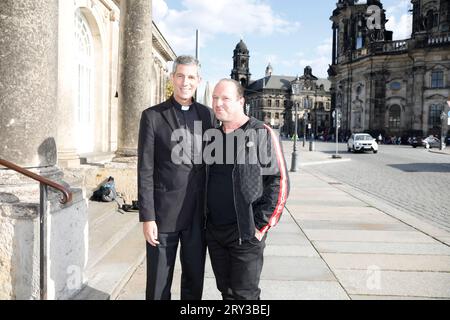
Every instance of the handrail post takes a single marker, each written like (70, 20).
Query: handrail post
(43, 208)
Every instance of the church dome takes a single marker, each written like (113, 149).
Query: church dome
(241, 47)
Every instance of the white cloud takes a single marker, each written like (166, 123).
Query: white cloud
(212, 18)
(402, 26)
(400, 20)
(318, 62)
(160, 9)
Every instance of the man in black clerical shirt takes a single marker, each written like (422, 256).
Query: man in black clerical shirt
(171, 194)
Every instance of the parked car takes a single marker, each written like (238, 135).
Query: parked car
(428, 143)
(362, 142)
(416, 142)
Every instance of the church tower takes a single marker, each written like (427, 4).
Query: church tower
(357, 27)
(241, 71)
(430, 16)
(269, 70)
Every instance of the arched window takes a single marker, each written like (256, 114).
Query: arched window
(394, 116)
(84, 71)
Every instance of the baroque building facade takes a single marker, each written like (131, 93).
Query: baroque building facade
(271, 99)
(396, 88)
(89, 116)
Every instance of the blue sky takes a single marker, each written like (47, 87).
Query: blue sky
(290, 34)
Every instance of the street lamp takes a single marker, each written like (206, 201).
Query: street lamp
(305, 117)
(443, 118)
(305, 122)
(337, 120)
(294, 163)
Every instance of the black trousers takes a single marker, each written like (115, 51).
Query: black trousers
(161, 263)
(237, 267)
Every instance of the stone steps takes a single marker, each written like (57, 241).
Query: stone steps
(106, 232)
(97, 158)
(116, 248)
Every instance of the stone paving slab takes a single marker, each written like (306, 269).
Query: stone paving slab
(347, 217)
(292, 250)
(361, 225)
(295, 269)
(318, 202)
(396, 262)
(302, 290)
(362, 235)
(395, 283)
(382, 247)
(330, 209)
(287, 238)
(380, 297)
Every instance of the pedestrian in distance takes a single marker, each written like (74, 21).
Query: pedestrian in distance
(171, 194)
(246, 194)
(380, 139)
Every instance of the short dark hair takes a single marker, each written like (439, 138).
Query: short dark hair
(185, 60)
(239, 88)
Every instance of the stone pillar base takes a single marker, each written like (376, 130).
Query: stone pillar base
(68, 159)
(19, 233)
(126, 152)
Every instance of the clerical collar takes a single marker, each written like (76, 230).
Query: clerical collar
(181, 107)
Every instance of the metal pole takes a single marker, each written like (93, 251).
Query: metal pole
(304, 128)
(294, 163)
(43, 211)
(197, 35)
(337, 123)
(197, 52)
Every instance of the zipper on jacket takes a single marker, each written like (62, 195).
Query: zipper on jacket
(235, 208)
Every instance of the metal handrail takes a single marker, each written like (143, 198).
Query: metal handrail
(44, 183)
(67, 196)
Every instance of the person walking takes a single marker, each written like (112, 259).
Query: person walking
(247, 189)
(170, 193)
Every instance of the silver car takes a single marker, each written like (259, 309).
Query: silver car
(431, 142)
(362, 142)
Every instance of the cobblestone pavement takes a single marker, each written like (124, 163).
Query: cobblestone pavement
(415, 181)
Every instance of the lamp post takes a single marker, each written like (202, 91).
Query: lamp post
(443, 118)
(294, 163)
(305, 118)
(337, 120)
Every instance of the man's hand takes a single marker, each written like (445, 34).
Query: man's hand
(151, 232)
(258, 234)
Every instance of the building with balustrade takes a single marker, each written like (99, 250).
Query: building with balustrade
(397, 88)
(272, 100)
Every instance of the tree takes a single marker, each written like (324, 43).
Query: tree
(169, 89)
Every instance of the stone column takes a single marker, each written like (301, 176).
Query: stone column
(28, 127)
(135, 63)
(28, 82)
(66, 142)
(334, 44)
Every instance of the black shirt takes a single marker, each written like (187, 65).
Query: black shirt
(220, 198)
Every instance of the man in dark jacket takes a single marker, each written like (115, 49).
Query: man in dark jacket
(247, 189)
(171, 193)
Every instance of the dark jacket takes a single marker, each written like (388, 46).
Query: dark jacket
(168, 193)
(260, 180)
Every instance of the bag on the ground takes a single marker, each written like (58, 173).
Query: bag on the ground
(106, 192)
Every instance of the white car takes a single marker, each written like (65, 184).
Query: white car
(362, 142)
